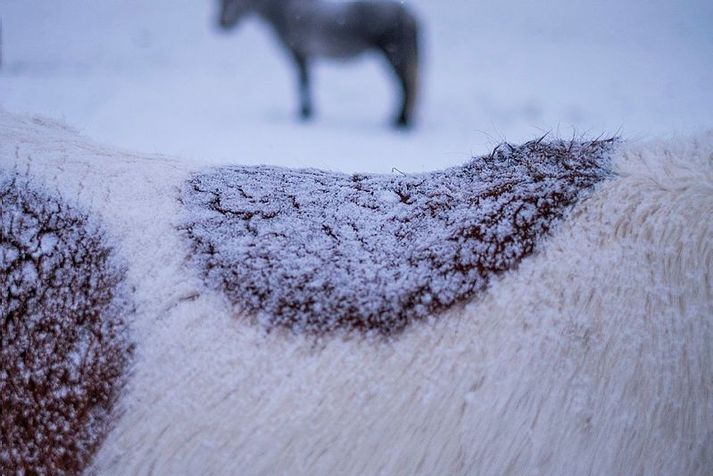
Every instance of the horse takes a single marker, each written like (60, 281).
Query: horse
(311, 29)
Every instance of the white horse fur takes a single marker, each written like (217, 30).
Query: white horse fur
(593, 357)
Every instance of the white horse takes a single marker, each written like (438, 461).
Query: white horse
(593, 357)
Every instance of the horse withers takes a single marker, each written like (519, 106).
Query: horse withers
(317, 28)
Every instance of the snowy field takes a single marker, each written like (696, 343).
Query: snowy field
(158, 77)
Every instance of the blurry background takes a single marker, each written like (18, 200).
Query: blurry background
(157, 76)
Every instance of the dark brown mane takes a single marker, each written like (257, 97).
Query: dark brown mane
(315, 252)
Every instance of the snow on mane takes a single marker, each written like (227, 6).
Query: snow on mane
(315, 251)
(63, 342)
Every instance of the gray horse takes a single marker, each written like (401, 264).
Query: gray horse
(317, 28)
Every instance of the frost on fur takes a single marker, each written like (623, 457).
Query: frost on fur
(63, 344)
(316, 251)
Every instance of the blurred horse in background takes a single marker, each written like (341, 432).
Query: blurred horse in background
(315, 28)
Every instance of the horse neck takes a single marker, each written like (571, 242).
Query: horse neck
(276, 13)
(272, 11)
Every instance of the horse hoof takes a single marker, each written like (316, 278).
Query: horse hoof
(402, 123)
(305, 114)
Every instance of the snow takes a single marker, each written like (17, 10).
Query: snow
(158, 77)
(315, 251)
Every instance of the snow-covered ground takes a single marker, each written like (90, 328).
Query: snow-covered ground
(157, 77)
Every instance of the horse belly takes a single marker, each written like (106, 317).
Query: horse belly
(325, 42)
(338, 49)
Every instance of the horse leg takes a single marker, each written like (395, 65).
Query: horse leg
(304, 85)
(402, 54)
(407, 79)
